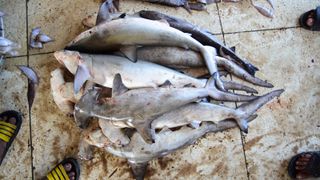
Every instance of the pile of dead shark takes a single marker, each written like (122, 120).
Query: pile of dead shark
(148, 84)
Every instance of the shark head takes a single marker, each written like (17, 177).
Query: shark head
(70, 59)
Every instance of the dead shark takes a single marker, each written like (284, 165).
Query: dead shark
(203, 36)
(138, 153)
(141, 106)
(126, 34)
(102, 69)
(181, 58)
(193, 114)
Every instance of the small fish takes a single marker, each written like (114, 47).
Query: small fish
(43, 38)
(264, 11)
(8, 47)
(37, 39)
(32, 83)
(271, 3)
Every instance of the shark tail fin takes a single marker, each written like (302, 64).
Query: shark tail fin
(246, 110)
(138, 169)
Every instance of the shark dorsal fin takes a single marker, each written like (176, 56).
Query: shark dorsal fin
(103, 14)
(107, 7)
(118, 87)
(233, 49)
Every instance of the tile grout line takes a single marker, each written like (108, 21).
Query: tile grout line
(220, 22)
(263, 30)
(242, 138)
(29, 108)
(259, 30)
(42, 53)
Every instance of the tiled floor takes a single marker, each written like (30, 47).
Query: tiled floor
(287, 56)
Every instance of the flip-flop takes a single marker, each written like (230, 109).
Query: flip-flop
(9, 131)
(59, 173)
(316, 17)
(312, 168)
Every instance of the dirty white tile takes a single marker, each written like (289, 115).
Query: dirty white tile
(205, 19)
(54, 134)
(289, 125)
(13, 85)
(15, 22)
(59, 19)
(243, 16)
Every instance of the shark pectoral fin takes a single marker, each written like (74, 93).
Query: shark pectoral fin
(144, 129)
(130, 52)
(138, 169)
(118, 87)
(81, 76)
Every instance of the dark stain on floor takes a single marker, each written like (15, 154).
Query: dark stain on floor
(164, 162)
(187, 170)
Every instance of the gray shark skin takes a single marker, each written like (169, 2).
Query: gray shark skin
(203, 36)
(141, 106)
(181, 58)
(139, 153)
(125, 34)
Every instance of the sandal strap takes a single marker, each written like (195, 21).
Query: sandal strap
(8, 124)
(58, 173)
(6, 131)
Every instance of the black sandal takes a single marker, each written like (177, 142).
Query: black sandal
(312, 168)
(59, 173)
(8, 131)
(316, 17)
